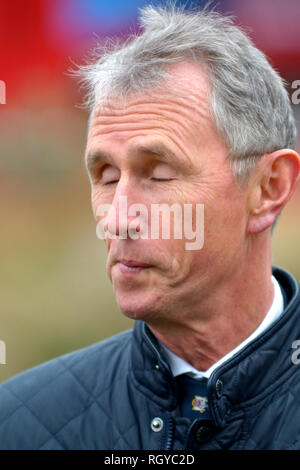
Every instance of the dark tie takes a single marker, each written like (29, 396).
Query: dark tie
(193, 400)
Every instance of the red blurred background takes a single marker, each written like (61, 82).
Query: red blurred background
(40, 38)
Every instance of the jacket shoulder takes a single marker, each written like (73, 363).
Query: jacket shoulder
(36, 404)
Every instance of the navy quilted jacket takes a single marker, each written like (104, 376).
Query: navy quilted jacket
(107, 395)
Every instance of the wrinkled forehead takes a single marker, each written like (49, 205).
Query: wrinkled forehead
(186, 91)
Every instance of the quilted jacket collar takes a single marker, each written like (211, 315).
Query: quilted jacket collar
(245, 379)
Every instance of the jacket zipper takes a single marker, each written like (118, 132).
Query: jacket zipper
(168, 440)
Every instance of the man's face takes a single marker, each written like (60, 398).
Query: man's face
(178, 119)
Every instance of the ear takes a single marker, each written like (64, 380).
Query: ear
(271, 186)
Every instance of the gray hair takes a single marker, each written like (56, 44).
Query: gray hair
(249, 102)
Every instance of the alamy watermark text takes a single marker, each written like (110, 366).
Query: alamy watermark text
(2, 92)
(115, 223)
(2, 352)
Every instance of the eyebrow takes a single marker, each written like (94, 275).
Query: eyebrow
(95, 157)
(98, 156)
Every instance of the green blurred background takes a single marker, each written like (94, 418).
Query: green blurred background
(55, 296)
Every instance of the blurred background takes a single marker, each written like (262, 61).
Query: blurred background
(54, 294)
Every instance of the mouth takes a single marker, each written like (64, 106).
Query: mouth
(132, 266)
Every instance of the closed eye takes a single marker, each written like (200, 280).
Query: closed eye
(110, 175)
(162, 179)
(163, 172)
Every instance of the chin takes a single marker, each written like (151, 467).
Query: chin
(136, 313)
(138, 307)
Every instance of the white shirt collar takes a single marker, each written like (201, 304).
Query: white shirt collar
(180, 366)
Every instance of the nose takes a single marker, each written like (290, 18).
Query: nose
(127, 215)
(117, 220)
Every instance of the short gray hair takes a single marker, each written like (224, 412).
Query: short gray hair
(249, 102)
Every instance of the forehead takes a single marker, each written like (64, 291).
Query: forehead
(186, 88)
(177, 110)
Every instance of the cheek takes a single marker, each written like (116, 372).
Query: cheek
(99, 197)
(180, 260)
(224, 233)
(224, 207)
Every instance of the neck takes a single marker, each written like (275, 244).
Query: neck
(220, 321)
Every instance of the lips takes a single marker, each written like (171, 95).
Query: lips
(134, 263)
(130, 267)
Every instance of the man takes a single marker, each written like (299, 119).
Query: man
(188, 113)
